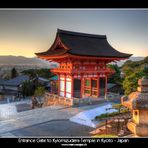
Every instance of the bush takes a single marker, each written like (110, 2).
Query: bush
(39, 91)
(27, 88)
(106, 115)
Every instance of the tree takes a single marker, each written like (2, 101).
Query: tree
(14, 73)
(145, 71)
(116, 77)
(39, 91)
(134, 70)
(27, 88)
(131, 66)
(33, 73)
(130, 82)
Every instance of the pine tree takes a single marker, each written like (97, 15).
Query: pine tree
(14, 73)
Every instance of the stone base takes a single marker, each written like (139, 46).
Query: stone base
(139, 130)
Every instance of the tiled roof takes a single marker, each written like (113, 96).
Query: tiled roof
(84, 45)
(16, 81)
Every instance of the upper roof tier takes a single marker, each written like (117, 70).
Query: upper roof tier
(82, 44)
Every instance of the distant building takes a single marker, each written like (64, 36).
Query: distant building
(44, 82)
(115, 88)
(49, 84)
(13, 86)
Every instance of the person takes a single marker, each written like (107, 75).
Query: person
(34, 102)
(13, 98)
(8, 100)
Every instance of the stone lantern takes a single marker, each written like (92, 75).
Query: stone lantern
(137, 102)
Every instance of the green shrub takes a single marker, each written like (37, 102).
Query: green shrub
(106, 115)
(39, 91)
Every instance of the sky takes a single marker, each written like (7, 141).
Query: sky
(24, 32)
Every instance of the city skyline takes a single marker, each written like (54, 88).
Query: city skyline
(25, 32)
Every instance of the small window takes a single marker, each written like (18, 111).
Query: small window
(87, 82)
(94, 83)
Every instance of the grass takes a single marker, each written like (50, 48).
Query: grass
(105, 136)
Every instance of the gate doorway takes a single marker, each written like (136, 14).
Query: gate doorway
(77, 88)
(102, 86)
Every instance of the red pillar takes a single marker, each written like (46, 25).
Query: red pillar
(90, 86)
(82, 86)
(59, 85)
(64, 85)
(105, 85)
(72, 86)
(98, 85)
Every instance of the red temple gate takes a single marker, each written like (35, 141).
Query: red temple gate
(83, 60)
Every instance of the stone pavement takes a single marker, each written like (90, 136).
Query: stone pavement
(38, 116)
(53, 128)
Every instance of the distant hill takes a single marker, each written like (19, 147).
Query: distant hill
(141, 64)
(120, 63)
(20, 60)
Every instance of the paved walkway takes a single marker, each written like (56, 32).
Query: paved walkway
(53, 128)
(38, 116)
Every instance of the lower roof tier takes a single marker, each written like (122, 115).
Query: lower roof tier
(72, 58)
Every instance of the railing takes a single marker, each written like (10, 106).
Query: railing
(77, 70)
(61, 70)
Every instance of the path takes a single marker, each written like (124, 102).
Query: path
(40, 116)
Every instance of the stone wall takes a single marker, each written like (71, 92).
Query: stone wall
(52, 99)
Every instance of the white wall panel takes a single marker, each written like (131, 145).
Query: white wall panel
(68, 87)
(61, 78)
(62, 94)
(68, 79)
(68, 95)
(62, 86)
